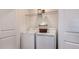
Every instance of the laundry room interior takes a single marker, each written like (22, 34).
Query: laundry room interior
(39, 28)
(31, 21)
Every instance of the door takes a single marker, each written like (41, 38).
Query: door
(8, 29)
(8, 43)
(68, 31)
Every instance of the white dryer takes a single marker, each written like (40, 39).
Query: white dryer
(45, 41)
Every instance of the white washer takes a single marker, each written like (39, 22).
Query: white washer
(27, 40)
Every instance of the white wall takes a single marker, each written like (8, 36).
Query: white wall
(22, 19)
(27, 22)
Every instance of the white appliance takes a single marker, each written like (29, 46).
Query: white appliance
(8, 29)
(27, 40)
(68, 30)
(45, 41)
